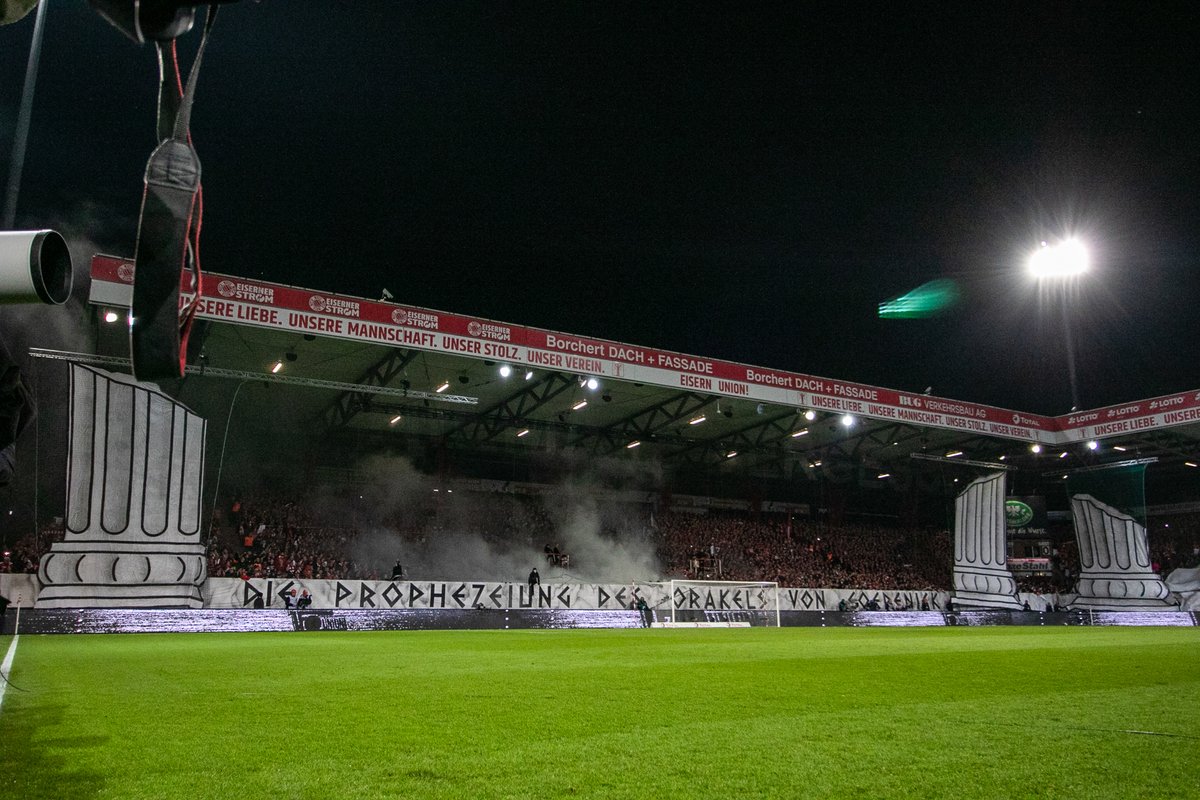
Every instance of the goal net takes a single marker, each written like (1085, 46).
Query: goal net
(721, 604)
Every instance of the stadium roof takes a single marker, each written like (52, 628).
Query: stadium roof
(376, 373)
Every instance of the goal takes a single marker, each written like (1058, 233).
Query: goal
(695, 604)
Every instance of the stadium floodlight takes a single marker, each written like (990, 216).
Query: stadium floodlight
(810, 415)
(579, 405)
(883, 475)
(633, 444)
(528, 374)
(522, 432)
(505, 371)
(847, 420)
(1093, 445)
(731, 454)
(1063, 454)
(278, 366)
(1062, 260)
(445, 385)
(394, 419)
(1035, 448)
(954, 454)
(799, 433)
(111, 316)
(1118, 448)
(1186, 464)
(593, 384)
(697, 420)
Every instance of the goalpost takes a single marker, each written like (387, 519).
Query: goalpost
(696, 604)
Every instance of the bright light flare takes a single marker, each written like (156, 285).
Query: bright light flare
(847, 420)
(1061, 260)
(579, 405)
(278, 366)
(445, 385)
(395, 419)
(111, 316)
(505, 371)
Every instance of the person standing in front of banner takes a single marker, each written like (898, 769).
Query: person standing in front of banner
(534, 580)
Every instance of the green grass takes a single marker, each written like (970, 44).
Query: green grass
(837, 713)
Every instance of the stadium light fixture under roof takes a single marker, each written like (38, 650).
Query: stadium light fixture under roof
(445, 385)
(395, 419)
(633, 444)
(810, 415)
(579, 405)
(847, 420)
(505, 371)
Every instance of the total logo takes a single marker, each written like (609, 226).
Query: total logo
(1020, 420)
(125, 272)
(415, 319)
(485, 330)
(334, 305)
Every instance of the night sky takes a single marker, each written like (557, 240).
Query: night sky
(745, 181)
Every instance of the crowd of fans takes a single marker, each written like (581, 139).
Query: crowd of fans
(277, 537)
(803, 553)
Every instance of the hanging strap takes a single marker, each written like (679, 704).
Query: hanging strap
(168, 230)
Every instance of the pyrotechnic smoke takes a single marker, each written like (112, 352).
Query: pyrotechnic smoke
(439, 533)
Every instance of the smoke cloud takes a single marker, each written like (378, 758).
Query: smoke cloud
(439, 532)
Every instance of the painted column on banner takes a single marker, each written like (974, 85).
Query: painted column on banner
(1114, 561)
(981, 575)
(134, 485)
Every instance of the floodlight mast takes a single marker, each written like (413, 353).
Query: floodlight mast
(1061, 263)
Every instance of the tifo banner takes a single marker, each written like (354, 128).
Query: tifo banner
(271, 593)
(243, 301)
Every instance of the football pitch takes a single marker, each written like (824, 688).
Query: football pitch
(1003, 712)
